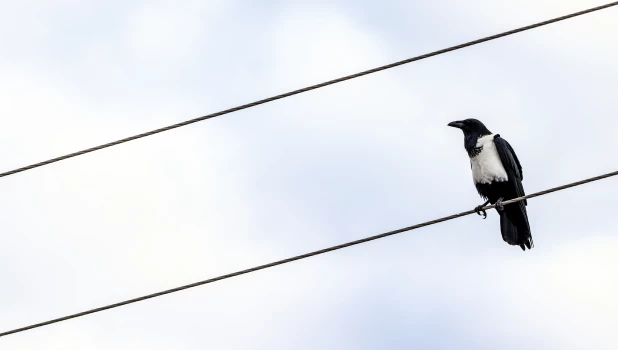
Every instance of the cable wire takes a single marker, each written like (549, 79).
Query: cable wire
(299, 257)
(309, 88)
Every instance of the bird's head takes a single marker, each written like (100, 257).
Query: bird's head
(471, 127)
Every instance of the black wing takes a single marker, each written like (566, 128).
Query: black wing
(511, 165)
(514, 223)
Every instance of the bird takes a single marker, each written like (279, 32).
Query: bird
(497, 176)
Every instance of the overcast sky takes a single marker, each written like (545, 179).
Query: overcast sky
(318, 169)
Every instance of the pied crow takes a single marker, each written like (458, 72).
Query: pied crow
(497, 175)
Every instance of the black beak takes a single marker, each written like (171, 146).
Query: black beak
(456, 124)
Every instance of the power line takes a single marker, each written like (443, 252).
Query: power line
(299, 257)
(277, 97)
(309, 88)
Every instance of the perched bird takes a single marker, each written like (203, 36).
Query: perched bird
(497, 175)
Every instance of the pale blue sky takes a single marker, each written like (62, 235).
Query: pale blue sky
(314, 170)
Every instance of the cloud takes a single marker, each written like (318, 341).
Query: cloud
(343, 162)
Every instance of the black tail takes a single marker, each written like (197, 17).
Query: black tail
(515, 227)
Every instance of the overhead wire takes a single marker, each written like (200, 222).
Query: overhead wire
(309, 88)
(299, 257)
(277, 97)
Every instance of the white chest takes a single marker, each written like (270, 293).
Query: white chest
(487, 166)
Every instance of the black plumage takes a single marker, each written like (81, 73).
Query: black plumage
(498, 176)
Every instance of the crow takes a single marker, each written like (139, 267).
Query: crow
(497, 175)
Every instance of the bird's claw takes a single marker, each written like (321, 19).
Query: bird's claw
(480, 212)
(499, 206)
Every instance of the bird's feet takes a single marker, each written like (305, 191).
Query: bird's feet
(479, 211)
(499, 206)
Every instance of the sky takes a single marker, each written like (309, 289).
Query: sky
(314, 170)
